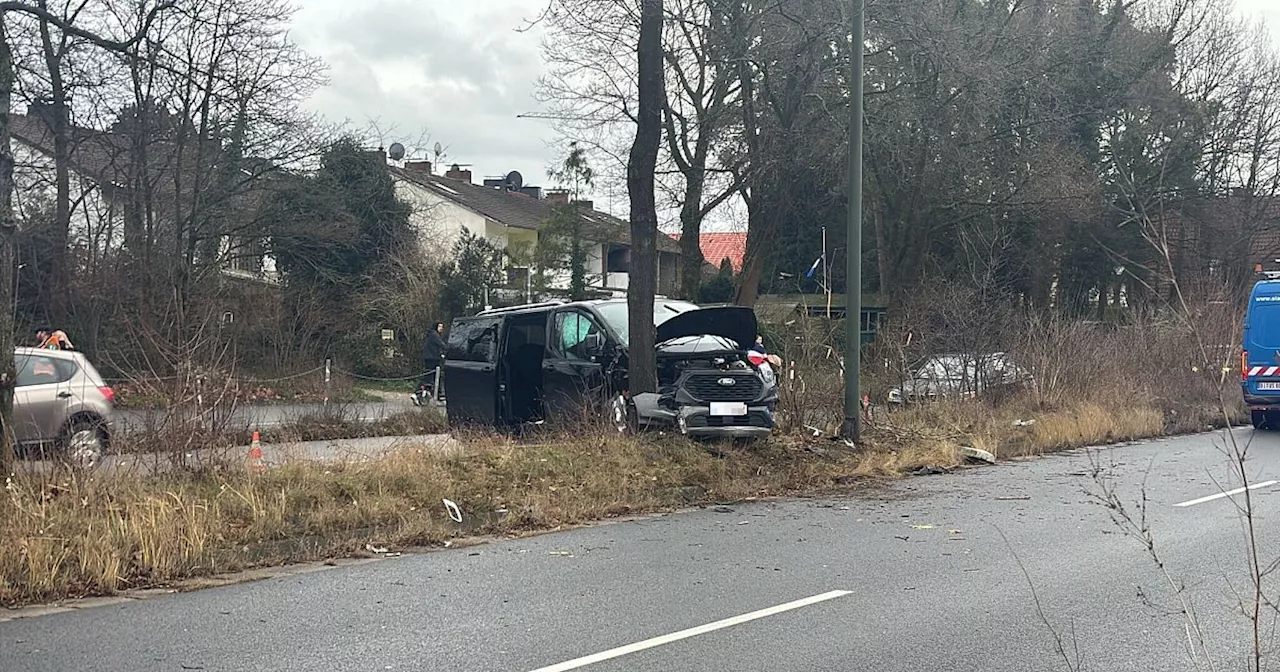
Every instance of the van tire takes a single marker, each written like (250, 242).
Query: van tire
(622, 416)
(1259, 419)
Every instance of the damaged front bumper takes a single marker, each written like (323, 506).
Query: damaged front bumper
(702, 422)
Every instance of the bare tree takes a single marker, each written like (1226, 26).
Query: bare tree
(697, 114)
(8, 227)
(591, 92)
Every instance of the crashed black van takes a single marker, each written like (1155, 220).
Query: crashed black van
(525, 364)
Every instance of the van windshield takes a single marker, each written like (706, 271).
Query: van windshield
(1264, 325)
(615, 314)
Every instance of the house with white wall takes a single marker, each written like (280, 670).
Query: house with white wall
(444, 206)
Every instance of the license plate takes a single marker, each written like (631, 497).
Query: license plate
(1269, 387)
(728, 408)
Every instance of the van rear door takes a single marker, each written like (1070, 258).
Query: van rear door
(471, 371)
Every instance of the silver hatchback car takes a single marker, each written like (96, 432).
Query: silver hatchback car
(61, 400)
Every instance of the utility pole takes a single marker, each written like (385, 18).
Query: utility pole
(852, 429)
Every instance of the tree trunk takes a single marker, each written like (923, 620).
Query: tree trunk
(59, 124)
(8, 233)
(641, 168)
(882, 252)
(691, 236)
(758, 232)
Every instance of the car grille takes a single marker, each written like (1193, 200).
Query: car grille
(753, 419)
(705, 386)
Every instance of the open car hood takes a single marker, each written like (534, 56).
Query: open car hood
(735, 323)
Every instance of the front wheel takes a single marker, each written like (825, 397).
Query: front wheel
(622, 415)
(84, 443)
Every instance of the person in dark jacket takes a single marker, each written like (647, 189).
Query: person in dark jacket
(432, 357)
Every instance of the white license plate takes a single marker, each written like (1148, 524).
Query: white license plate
(728, 408)
(1269, 387)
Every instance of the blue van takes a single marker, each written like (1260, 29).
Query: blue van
(1260, 353)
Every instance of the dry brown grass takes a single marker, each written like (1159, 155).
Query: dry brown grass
(68, 535)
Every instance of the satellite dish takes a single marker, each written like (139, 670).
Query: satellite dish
(515, 180)
(439, 149)
(396, 152)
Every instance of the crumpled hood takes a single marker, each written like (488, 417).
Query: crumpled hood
(736, 323)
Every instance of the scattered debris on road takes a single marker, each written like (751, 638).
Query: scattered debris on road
(977, 455)
(452, 509)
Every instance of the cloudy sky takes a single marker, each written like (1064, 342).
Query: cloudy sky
(458, 71)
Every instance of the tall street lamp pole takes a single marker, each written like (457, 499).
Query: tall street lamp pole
(852, 428)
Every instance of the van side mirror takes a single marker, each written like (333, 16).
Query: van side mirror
(593, 345)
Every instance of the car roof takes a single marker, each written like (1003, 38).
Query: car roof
(557, 305)
(57, 354)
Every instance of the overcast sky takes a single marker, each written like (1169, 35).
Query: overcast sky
(459, 71)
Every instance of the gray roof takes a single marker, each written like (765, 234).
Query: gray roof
(522, 211)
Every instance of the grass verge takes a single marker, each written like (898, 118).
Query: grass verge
(74, 535)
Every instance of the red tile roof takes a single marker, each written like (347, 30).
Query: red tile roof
(716, 247)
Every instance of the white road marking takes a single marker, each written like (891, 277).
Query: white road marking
(691, 632)
(1228, 493)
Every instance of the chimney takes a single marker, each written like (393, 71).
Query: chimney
(418, 166)
(455, 172)
(380, 154)
(557, 197)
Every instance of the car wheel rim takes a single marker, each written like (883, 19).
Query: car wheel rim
(85, 447)
(620, 415)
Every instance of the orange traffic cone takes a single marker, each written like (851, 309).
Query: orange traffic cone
(255, 454)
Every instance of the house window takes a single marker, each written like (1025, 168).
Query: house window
(870, 322)
(517, 277)
(619, 260)
(243, 255)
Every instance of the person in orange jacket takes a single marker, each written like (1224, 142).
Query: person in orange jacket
(51, 339)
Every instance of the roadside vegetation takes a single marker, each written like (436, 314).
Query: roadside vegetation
(66, 533)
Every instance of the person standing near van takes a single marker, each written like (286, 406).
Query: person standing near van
(433, 352)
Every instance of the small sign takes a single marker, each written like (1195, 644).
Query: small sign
(388, 335)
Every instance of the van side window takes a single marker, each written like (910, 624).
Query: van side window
(473, 340)
(570, 334)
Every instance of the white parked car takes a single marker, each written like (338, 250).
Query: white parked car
(958, 376)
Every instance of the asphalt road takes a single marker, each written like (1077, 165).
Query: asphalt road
(932, 566)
